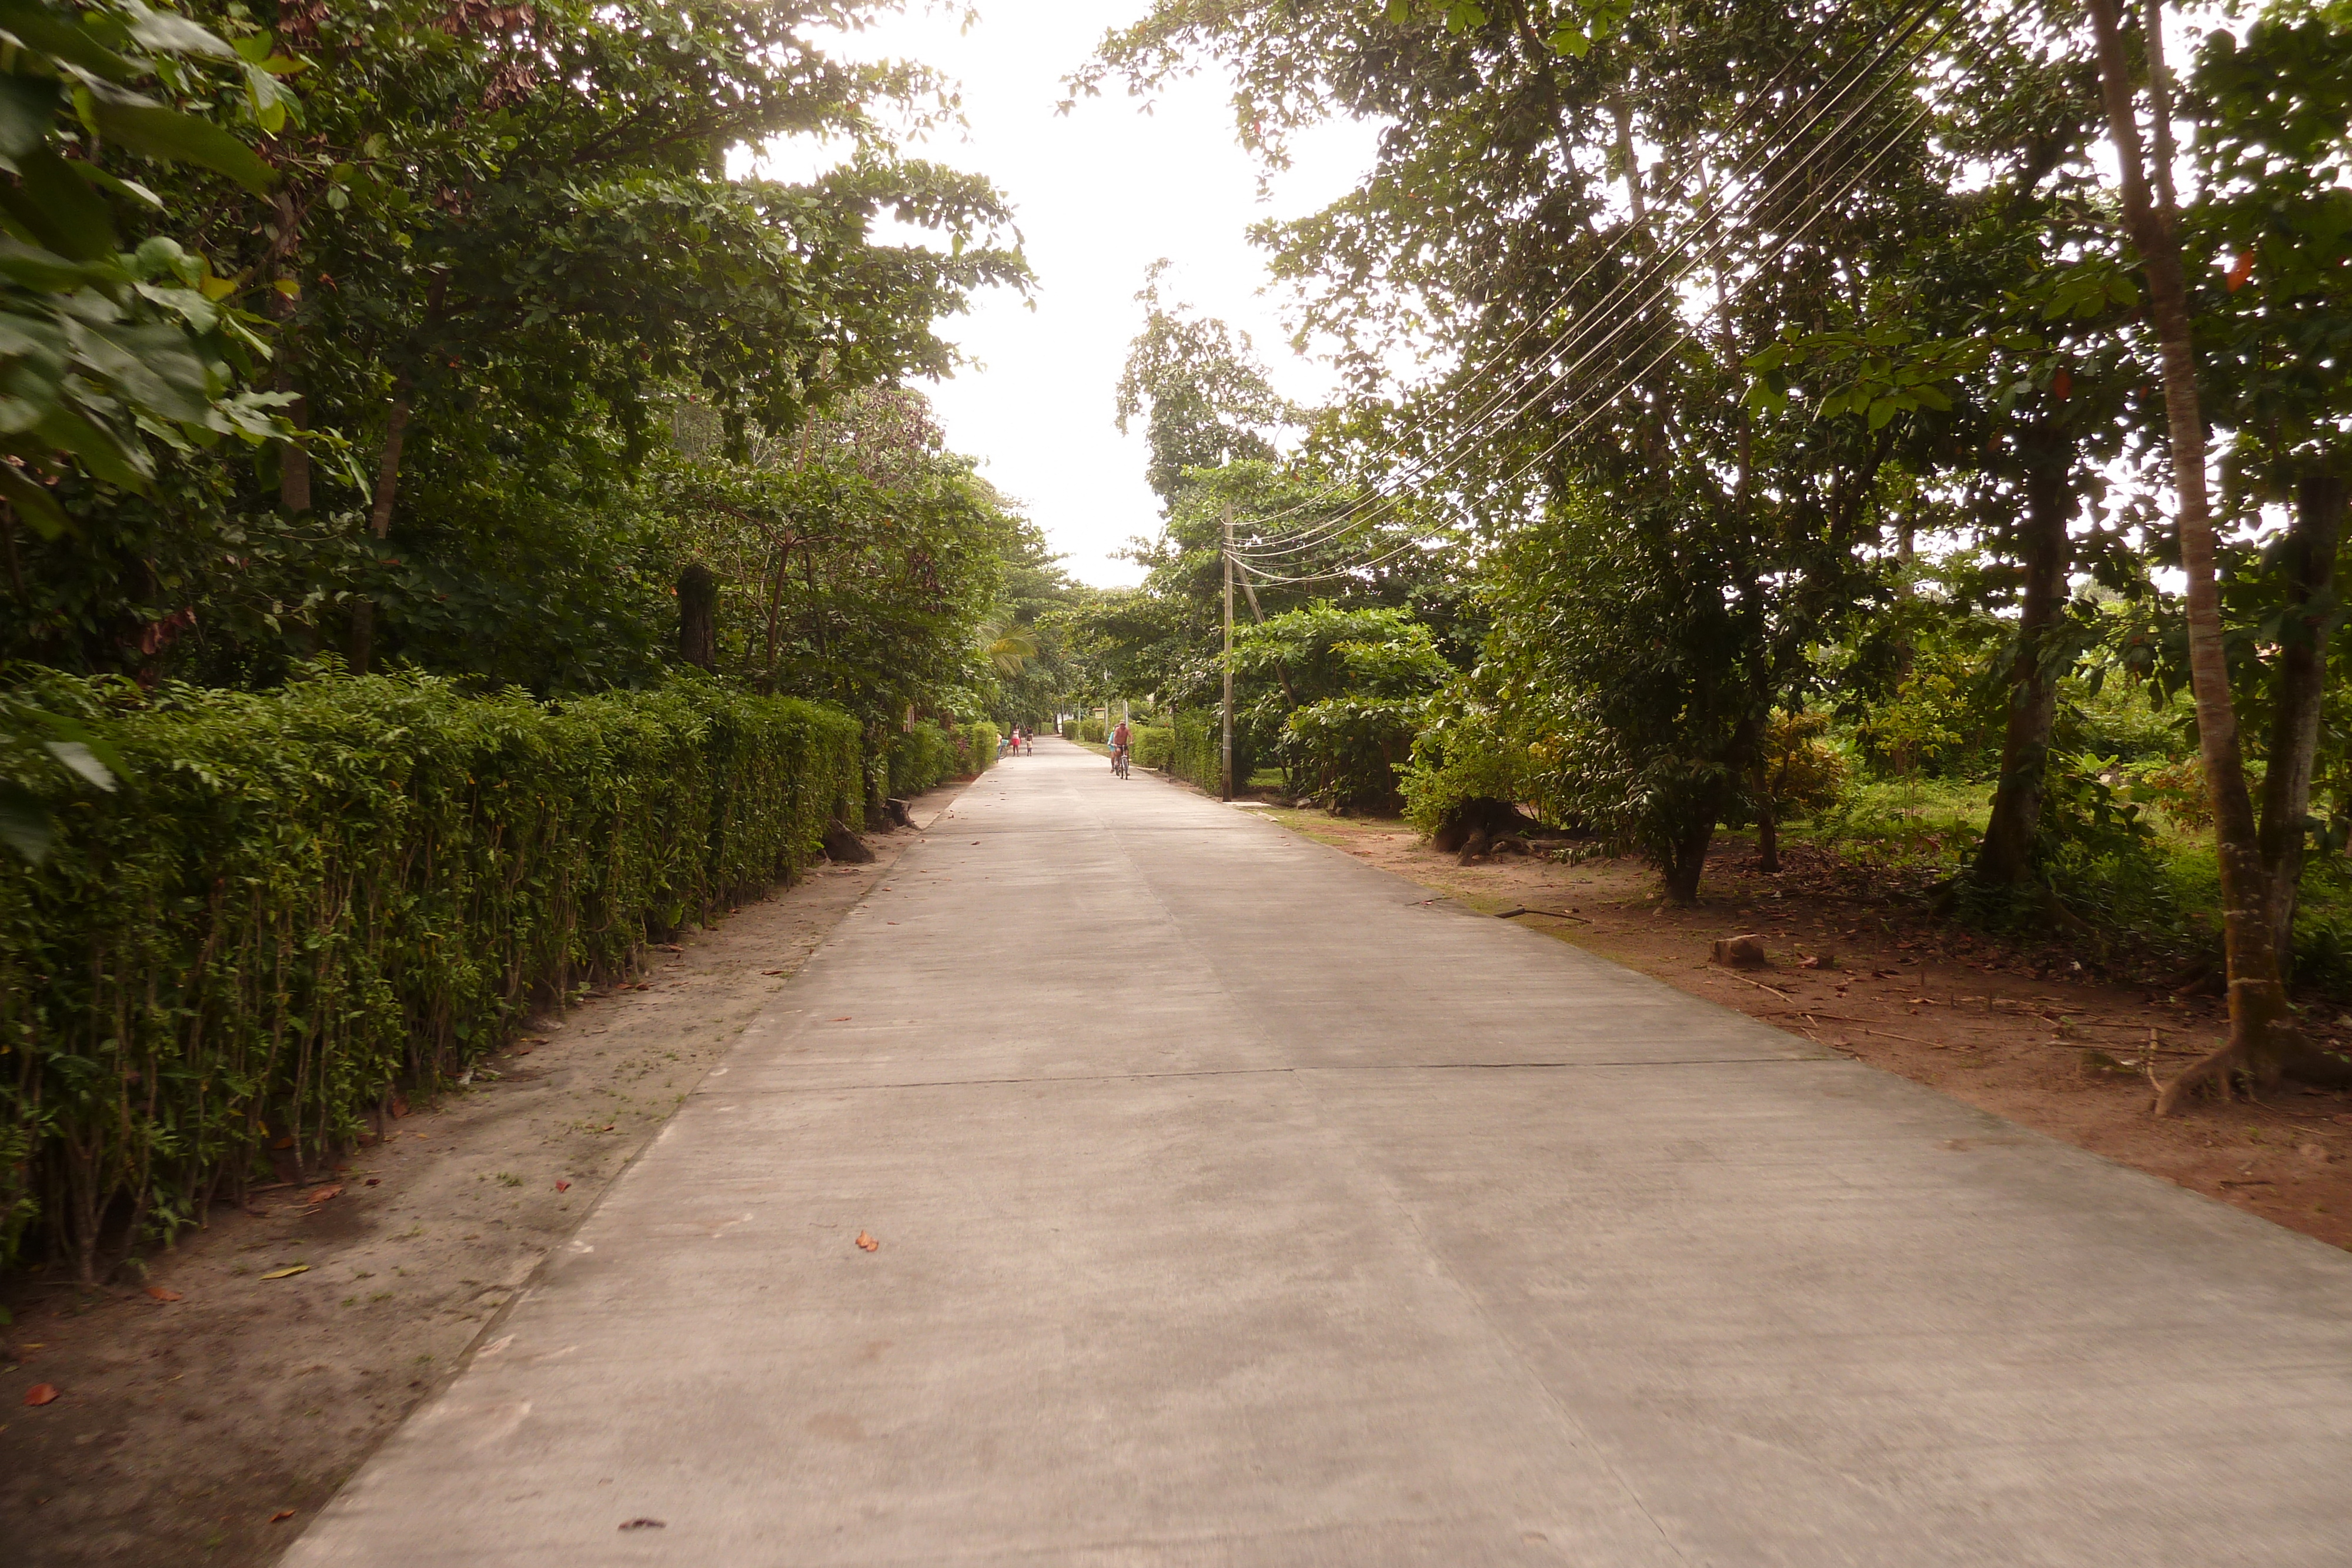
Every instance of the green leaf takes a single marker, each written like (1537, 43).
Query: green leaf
(32, 503)
(173, 137)
(45, 34)
(131, 190)
(28, 116)
(106, 454)
(59, 210)
(24, 823)
(79, 760)
(1883, 410)
(169, 33)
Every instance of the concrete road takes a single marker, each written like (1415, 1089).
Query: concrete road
(1236, 1206)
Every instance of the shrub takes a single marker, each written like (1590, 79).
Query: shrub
(1345, 752)
(298, 898)
(921, 757)
(1091, 730)
(1068, 729)
(1155, 746)
(1463, 767)
(979, 740)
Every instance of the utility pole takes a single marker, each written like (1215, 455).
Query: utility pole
(1228, 746)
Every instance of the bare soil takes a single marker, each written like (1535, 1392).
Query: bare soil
(205, 1411)
(2029, 1034)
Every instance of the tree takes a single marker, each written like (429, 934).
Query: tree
(2264, 1041)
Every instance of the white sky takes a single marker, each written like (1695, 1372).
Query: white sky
(1100, 195)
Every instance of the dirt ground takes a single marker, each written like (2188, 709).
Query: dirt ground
(2024, 1034)
(204, 1412)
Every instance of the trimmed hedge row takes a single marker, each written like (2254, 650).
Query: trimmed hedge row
(923, 757)
(299, 898)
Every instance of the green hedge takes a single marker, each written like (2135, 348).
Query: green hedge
(979, 741)
(1155, 745)
(1068, 729)
(1091, 730)
(1196, 753)
(299, 898)
(923, 757)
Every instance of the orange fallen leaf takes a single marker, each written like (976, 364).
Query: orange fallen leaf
(162, 1294)
(843, 1018)
(281, 1516)
(399, 1107)
(563, 1187)
(867, 1243)
(324, 1193)
(607, 1127)
(41, 1393)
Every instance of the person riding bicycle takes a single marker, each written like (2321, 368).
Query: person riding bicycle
(1120, 738)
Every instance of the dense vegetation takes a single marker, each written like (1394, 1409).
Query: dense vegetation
(1800, 455)
(455, 531)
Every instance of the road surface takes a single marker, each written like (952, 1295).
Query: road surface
(1236, 1205)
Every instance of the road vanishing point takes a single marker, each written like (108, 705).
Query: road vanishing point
(1237, 1204)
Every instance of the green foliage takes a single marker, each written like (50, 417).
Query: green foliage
(1796, 773)
(301, 897)
(1091, 731)
(978, 742)
(1463, 758)
(922, 756)
(1197, 756)
(1155, 745)
(1344, 753)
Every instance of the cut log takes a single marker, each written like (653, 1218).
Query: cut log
(1741, 952)
(899, 811)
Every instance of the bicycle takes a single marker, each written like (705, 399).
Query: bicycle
(1119, 762)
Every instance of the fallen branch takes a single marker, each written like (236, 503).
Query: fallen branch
(1552, 913)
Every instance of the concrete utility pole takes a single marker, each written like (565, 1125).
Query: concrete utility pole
(1228, 747)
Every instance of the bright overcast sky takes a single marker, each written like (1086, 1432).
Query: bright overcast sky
(1100, 193)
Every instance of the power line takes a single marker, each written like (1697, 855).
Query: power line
(1681, 330)
(1811, 112)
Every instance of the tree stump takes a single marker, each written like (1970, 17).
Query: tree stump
(1741, 953)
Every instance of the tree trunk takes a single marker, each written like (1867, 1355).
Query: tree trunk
(387, 486)
(1685, 856)
(2263, 1039)
(2005, 859)
(2312, 543)
(1767, 838)
(697, 617)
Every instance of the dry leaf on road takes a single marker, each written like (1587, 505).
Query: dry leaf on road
(41, 1393)
(281, 1516)
(282, 1273)
(162, 1294)
(867, 1243)
(324, 1193)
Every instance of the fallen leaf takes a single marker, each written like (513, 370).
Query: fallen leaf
(375, 1181)
(41, 1393)
(162, 1294)
(399, 1107)
(644, 1524)
(606, 1127)
(867, 1243)
(522, 1051)
(670, 947)
(326, 1193)
(282, 1273)
(563, 1187)
(843, 1018)
(772, 971)
(281, 1516)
